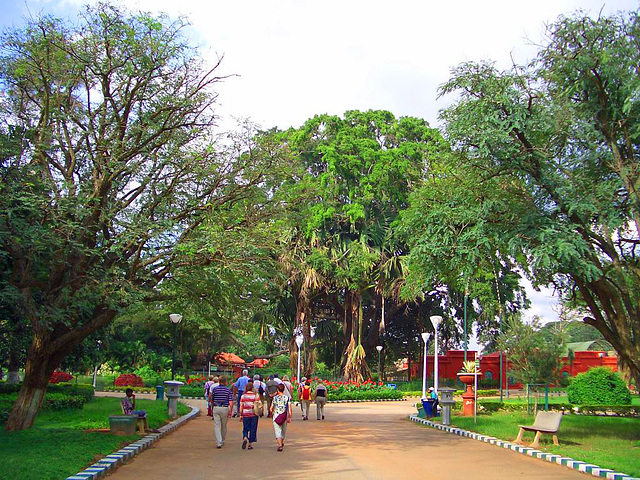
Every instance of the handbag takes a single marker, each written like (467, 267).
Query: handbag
(258, 407)
(282, 417)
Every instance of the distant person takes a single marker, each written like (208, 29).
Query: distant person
(248, 417)
(320, 398)
(305, 398)
(281, 413)
(272, 391)
(240, 385)
(300, 385)
(288, 391)
(433, 396)
(206, 388)
(276, 377)
(222, 402)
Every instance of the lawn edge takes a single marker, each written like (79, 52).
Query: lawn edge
(112, 461)
(584, 467)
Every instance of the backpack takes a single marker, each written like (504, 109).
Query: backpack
(261, 389)
(306, 393)
(272, 387)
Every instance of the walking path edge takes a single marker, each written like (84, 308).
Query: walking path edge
(113, 461)
(584, 467)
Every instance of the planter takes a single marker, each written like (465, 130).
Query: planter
(468, 397)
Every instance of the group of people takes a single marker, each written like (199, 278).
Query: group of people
(251, 398)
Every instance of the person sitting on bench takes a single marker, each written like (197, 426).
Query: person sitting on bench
(129, 405)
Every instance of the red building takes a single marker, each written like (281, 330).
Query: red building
(451, 363)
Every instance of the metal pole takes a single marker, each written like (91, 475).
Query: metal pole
(465, 324)
(435, 370)
(501, 379)
(173, 360)
(379, 368)
(298, 364)
(424, 372)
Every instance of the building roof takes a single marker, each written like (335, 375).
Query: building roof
(258, 362)
(224, 358)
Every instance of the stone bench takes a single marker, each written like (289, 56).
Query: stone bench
(545, 422)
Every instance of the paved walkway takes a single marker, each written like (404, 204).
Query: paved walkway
(356, 441)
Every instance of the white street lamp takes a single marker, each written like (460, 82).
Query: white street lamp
(435, 321)
(175, 318)
(425, 338)
(299, 340)
(379, 348)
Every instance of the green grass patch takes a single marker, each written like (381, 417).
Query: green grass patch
(612, 443)
(58, 445)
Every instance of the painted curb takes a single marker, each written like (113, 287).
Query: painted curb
(584, 467)
(113, 461)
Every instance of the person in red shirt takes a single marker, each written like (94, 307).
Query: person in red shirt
(305, 399)
(248, 417)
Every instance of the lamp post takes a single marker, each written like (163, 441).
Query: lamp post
(379, 348)
(435, 321)
(425, 337)
(299, 340)
(175, 320)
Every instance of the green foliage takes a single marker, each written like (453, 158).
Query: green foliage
(598, 385)
(547, 172)
(382, 394)
(534, 353)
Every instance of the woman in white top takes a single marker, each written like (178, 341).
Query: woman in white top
(287, 387)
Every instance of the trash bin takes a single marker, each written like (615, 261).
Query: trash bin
(427, 406)
(159, 392)
(392, 386)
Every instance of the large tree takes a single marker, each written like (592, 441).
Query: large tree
(115, 171)
(553, 150)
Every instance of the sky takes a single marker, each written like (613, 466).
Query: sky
(293, 59)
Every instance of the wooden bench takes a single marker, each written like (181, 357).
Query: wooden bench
(545, 422)
(142, 421)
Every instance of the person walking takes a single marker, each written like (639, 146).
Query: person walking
(272, 391)
(288, 390)
(281, 413)
(320, 398)
(239, 386)
(222, 401)
(300, 385)
(207, 386)
(248, 417)
(305, 398)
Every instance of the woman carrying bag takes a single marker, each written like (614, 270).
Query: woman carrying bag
(281, 413)
(248, 412)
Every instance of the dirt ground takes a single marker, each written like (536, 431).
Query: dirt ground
(356, 441)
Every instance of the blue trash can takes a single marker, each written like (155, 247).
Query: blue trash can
(392, 386)
(159, 392)
(427, 406)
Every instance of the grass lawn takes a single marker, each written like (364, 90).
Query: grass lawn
(609, 442)
(58, 446)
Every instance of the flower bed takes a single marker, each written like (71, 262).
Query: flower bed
(58, 377)
(129, 380)
(368, 390)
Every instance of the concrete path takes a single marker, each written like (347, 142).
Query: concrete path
(356, 441)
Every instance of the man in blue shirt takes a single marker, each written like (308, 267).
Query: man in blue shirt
(239, 386)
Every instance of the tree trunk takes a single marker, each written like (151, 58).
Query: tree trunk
(40, 365)
(13, 375)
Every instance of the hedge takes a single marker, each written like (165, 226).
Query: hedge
(70, 389)
(52, 401)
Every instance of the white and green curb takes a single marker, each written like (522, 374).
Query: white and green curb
(113, 461)
(588, 468)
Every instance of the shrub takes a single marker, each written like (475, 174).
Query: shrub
(60, 401)
(128, 380)
(598, 386)
(80, 390)
(58, 377)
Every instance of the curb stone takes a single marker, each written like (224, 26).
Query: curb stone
(113, 461)
(584, 467)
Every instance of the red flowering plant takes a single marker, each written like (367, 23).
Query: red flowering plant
(128, 380)
(58, 377)
(198, 381)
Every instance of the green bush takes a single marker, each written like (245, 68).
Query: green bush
(70, 389)
(598, 386)
(383, 394)
(60, 401)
